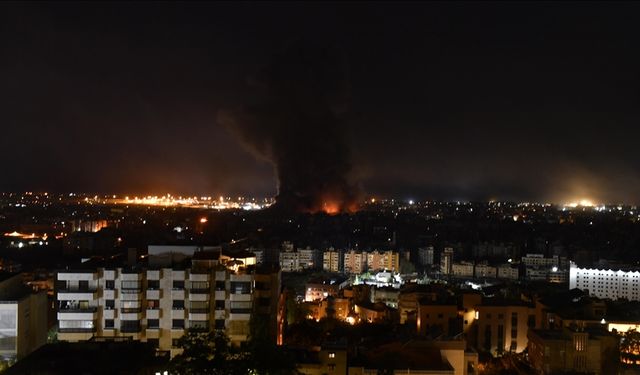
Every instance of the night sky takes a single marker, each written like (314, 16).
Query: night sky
(472, 101)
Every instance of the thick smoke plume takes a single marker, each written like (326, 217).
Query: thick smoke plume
(295, 118)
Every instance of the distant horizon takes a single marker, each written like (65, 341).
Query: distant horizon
(370, 198)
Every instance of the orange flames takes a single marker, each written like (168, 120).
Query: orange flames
(332, 207)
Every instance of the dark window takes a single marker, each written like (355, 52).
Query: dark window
(109, 304)
(500, 344)
(175, 343)
(177, 323)
(108, 323)
(488, 316)
(154, 342)
(153, 323)
(531, 322)
(199, 325)
(83, 285)
(130, 326)
(220, 285)
(219, 323)
(110, 284)
(178, 284)
(219, 305)
(153, 304)
(264, 301)
(440, 316)
(178, 304)
(500, 316)
(487, 337)
(153, 284)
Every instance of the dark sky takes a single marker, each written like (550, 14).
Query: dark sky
(525, 101)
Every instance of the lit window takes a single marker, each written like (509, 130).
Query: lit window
(332, 355)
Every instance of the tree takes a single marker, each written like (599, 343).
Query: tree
(630, 347)
(208, 354)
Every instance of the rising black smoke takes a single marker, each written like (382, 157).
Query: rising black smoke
(294, 116)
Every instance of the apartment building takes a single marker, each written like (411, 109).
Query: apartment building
(23, 318)
(332, 260)
(606, 283)
(502, 327)
(462, 269)
(158, 305)
(355, 262)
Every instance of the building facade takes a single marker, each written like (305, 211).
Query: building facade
(601, 283)
(23, 318)
(159, 305)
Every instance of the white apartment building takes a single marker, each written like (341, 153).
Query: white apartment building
(484, 270)
(296, 260)
(601, 283)
(446, 260)
(23, 318)
(159, 305)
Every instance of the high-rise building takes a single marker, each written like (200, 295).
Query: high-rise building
(158, 304)
(446, 261)
(355, 261)
(425, 256)
(332, 260)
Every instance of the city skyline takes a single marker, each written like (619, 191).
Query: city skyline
(444, 101)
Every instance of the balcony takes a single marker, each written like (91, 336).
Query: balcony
(220, 295)
(76, 330)
(77, 294)
(130, 314)
(177, 294)
(177, 275)
(153, 274)
(78, 314)
(219, 314)
(109, 313)
(198, 316)
(78, 275)
(240, 297)
(131, 275)
(153, 313)
(240, 278)
(154, 294)
(221, 275)
(193, 296)
(239, 316)
(153, 333)
(109, 274)
(177, 314)
(130, 295)
(109, 294)
(199, 276)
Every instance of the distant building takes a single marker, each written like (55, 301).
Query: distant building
(606, 283)
(484, 271)
(425, 256)
(23, 318)
(332, 261)
(508, 271)
(319, 289)
(387, 260)
(296, 260)
(355, 261)
(446, 261)
(462, 269)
